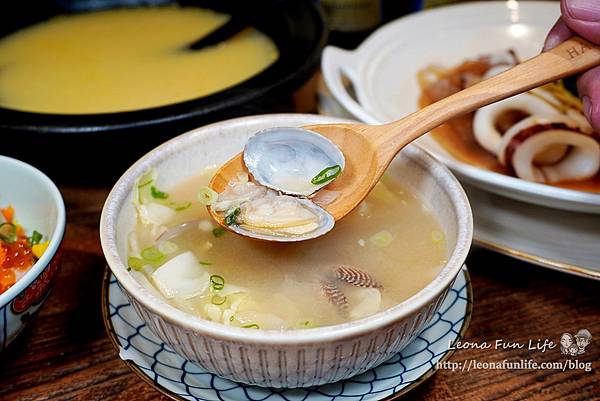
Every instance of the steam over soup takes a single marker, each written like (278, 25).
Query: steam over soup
(125, 59)
(382, 253)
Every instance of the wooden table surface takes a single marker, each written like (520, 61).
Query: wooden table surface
(66, 354)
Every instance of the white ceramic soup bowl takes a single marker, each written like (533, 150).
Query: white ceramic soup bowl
(296, 358)
(38, 206)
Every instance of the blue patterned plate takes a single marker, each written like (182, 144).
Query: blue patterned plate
(180, 379)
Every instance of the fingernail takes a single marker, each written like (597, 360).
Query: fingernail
(585, 10)
(551, 42)
(587, 107)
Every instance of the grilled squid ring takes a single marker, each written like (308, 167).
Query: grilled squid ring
(484, 122)
(580, 120)
(550, 149)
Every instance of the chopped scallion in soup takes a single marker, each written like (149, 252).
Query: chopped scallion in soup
(382, 253)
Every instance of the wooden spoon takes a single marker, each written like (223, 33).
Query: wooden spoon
(369, 149)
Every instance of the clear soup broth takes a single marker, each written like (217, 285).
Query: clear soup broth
(382, 253)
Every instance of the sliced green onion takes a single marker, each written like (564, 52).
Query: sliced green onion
(381, 239)
(327, 174)
(231, 218)
(205, 263)
(306, 325)
(251, 326)
(437, 236)
(35, 238)
(207, 196)
(167, 247)
(218, 231)
(217, 282)
(158, 194)
(232, 318)
(153, 256)
(218, 300)
(8, 232)
(135, 263)
(179, 206)
(143, 183)
(146, 179)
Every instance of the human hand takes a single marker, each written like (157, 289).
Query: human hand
(581, 17)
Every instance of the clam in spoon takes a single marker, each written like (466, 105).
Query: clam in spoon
(369, 149)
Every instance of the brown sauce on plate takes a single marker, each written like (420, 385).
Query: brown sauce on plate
(457, 137)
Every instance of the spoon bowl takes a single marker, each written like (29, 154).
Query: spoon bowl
(369, 149)
(348, 185)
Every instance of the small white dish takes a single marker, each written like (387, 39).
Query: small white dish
(155, 363)
(383, 72)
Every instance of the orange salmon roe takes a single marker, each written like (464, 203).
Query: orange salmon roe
(18, 255)
(7, 279)
(2, 255)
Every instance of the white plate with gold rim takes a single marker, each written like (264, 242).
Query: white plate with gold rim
(383, 71)
(557, 239)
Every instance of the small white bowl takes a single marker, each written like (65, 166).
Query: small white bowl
(38, 206)
(296, 358)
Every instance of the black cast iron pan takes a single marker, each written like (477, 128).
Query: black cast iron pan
(97, 148)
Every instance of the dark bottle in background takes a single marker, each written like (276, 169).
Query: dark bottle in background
(351, 21)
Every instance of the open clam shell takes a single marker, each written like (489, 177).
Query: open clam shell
(286, 159)
(325, 223)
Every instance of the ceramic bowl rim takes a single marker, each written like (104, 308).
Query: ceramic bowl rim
(120, 193)
(55, 238)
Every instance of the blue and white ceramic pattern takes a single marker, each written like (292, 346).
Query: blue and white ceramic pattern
(180, 379)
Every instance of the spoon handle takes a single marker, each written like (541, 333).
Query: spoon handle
(571, 57)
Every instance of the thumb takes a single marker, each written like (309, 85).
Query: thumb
(558, 34)
(589, 90)
(583, 18)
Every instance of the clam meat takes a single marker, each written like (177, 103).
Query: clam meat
(253, 210)
(287, 165)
